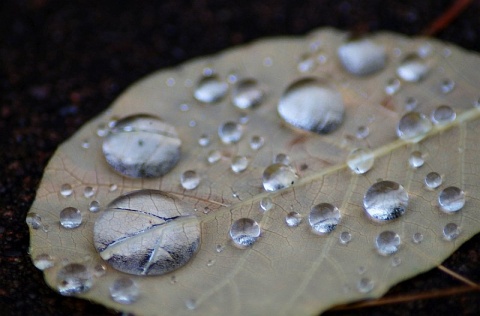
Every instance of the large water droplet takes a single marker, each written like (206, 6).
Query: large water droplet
(433, 180)
(210, 89)
(34, 220)
(360, 160)
(451, 231)
(385, 201)
(66, 190)
(43, 261)
(189, 180)
(312, 105)
(239, 164)
(412, 69)
(293, 219)
(278, 176)
(230, 132)
(244, 232)
(142, 146)
(146, 232)
(247, 94)
(74, 278)
(443, 114)
(451, 199)
(324, 218)
(387, 243)
(70, 217)
(416, 159)
(124, 291)
(362, 57)
(413, 126)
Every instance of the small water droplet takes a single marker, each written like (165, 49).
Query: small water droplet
(189, 180)
(416, 159)
(362, 132)
(214, 156)
(43, 261)
(74, 278)
(256, 142)
(447, 86)
(433, 180)
(268, 62)
(210, 262)
(293, 219)
(113, 187)
(124, 291)
(278, 176)
(266, 204)
(88, 192)
(85, 144)
(170, 82)
(476, 103)
(387, 243)
(247, 94)
(361, 270)
(413, 126)
(66, 190)
(306, 63)
(451, 199)
(173, 279)
(244, 118)
(417, 238)
(244, 232)
(99, 270)
(239, 164)
(360, 160)
(451, 231)
(70, 217)
(102, 130)
(34, 220)
(219, 248)
(192, 123)
(345, 238)
(191, 304)
(412, 69)
(410, 104)
(324, 218)
(312, 105)
(230, 132)
(142, 146)
(396, 261)
(385, 201)
(443, 114)
(362, 57)
(282, 158)
(392, 86)
(94, 206)
(184, 107)
(365, 285)
(204, 140)
(210, 89)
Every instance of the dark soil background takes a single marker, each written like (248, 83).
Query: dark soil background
(62, 62)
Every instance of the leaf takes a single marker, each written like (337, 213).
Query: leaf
(288, 270)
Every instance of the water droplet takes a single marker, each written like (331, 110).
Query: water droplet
(416, 159)
(219, 248)
(247, 94)
(94, 206)
(173, 279)
(306, 63)
(417, 238)
(70, 217)
(191, 304)
(257, 142)
(433, 180)
(476, 103)
(412, 69)
(239, 164)
(190, 180)
(447, 86)
(230, 132)
(34, 220)
(365, 285)
(361, 270)
(210, 89)
(102, 130)
(74, 278)
(345, 238)
(324, 218)
(146, 232)
(293, 219)
(142, 146)
(204, 140)
(413, 126)
(282, 158)
(113, 187)
(362, 57)
(360, 160)
(184, 107)
(85, 144)
(362, 132)
(124, 291)
(43, 261)
(88, 192)
(411, 104)
(312, 105)
(443, 114)
(214, 156)
(451, 231)
(244, 232)
(278, 176)
(396, 261)
(387, 243)
(451, 199)
(99, 270)
(266, 204)
(268, 62)
(385, 201)
(210, 262)
(66, 190)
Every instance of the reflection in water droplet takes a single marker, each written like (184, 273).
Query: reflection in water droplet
(244, 232)
(413, 126)
(214, 156)
(312, 105)
(204, 140)
(239, 164)
(43, 261)
(210, 89)
(443, 114)
(70, 217)
(34, 220)
(365, 285)
(146, 232)
(412, 69)
(247, 94)
(433, 180)
(362, 57)
(189, 180)
(451, 199)
(387, 243)
(74, 278)
(282, 158)
(345, 238)
(230, 132)
(417, 238)
(362, 132)
(416, 159)
(447, 86)
(266, 204)
(324, 218)
(293, 219)
(385, 201)
(142, 146)
(451, 231)
(392, 86)
(94, 206)
(257, 142)
(88, 192)
(360, 160)
(124, 291)
(66, 190)
(278, 176)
